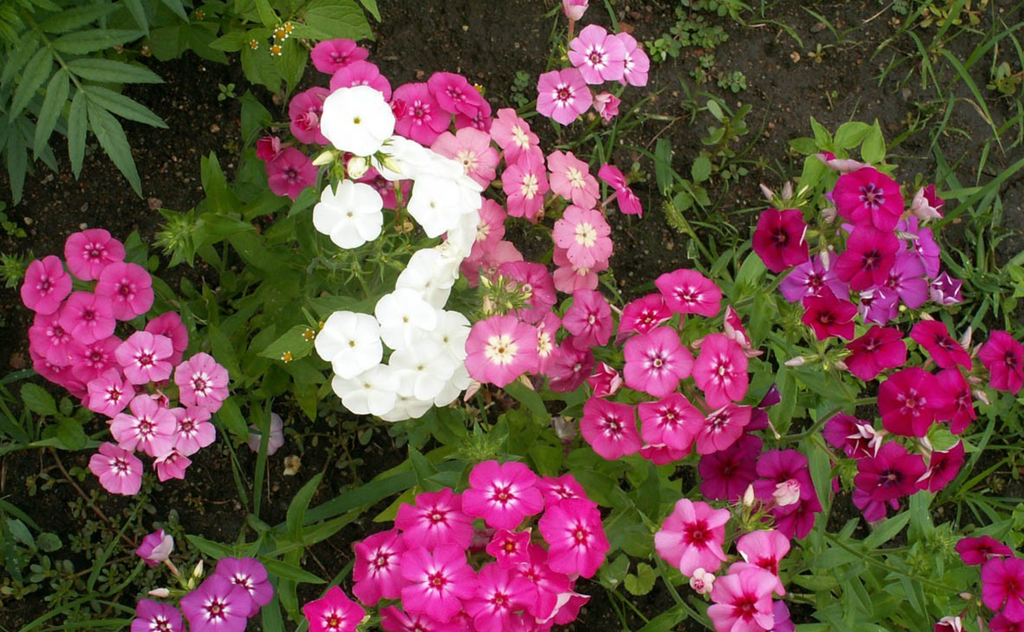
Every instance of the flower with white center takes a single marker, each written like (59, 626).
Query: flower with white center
(422, 369)
(350, 214)
(451, 333)
(407, 408)
(437, 203)
(357, 120)
(372, 392)
(458, 382)
(404, 317)
(350, 342)
(429, 274)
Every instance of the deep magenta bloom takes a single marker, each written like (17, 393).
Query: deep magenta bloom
(610, 428)
(589, 319)
(644, 314)
(1004, 358)
(290, 172)
(691, 537)
(563, 95)
(721, 370)
(877, 350)
(869, 257)
(509, 547)
(550, 584)
(1000, 623)
(438, 581)
(689, 292)
(46, 285)
(145, 357)
(961, 408)
(435, 520)
(779, 239)
(851, 435)
(569, 366)
(909, 401)
(726, 474)
(170, 325)
(525, 182)
(498, 595)
(216, 605)
(153, 616)
(455, 94)
(808, 279)
(867, 197)
(89, 251)
(670, 421)
(90, 361)
(201, 382)
(330, 56)
(628, 202)
(934, 337)
(268, 147)
(1002, 587)
(156, 547)
(656, 361)
(119, 471)
(829, 316)
(394, 620)
(532, 279)
(502, 494)
(943, 467)
(250, 575)
(721, 428)
(605, 381)
(977, 551)
(906, 280)
(500, 349)
(780, 466)
(361, 73)
(599, 56)
(305, 110)
(575, 537)
(743, 601)
(334, 612)
(49, 339)
(417, 114)
(891, 474)
(376, 572)
(945, 290)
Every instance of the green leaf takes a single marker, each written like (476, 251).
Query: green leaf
(297, 509)
(267, 14)
(177, 7)
(17, 60)
(643, 582)
(290, 571)
(371, 6)
(112, 139)
(211, 548)
(123, 106)
(49, 542)
(71, 434)
(255, 117)
(138, 13)
(701, 169)
(76, 132)
(232, 42)
(873, 150)
(666, 621)
(294, 341)
(53, 103)
(35, 74)
(71, 19)
(17, 161)
(850, 134)
(259, 68)
(21, 532)
(230, 417)
(887, 530)
(90, 41)
(337, 18)
(111, 71)
(169, 42)
(614, 573)
(663, 165)
(821, 135)
(527, 397)
(38, 401)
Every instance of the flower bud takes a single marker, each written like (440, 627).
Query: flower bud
(767, 193)
(197, 572)
(325, 158)
(155, 548)
(357, 167)
(391, 164)
(787, 191)
(160, 593)
(797, 361)
(748, 496)
(787, 493)
(702, 581)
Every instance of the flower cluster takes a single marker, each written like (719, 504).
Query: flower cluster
(449, 572)
(72, 343)
(1002, 583)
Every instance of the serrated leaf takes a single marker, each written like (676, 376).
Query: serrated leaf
(112, 139)
(70, 19)
(123, 106)
(17, 163)
(38, 400)
(111, 71)
(266, 13)
(36, 72)
(17, 60)
(71, 434)
(334, 18)
(77, 126)
(54, 101)
(701, 169)
(83, 42)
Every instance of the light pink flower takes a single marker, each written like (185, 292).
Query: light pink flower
(46, 285)
(89, 251)
(171, 465)
(290, 173)
(525, 184)
(589, 319)
(500, 349)
(119, 471)
(656, 361)
(201, 382)
(610, 428)
(585, 235)
(377, 573)
(574, 9)
(471, 148)
(722, 428)
(607, 105)
(153, 616)
(109, 393)
(438, 581)
(145, 357)
(170, 325)
(721, 370)
(435, 520)
(636, 63)
(576, 540)
(305, 110)
(193, 429)
(563, 95)
(765, 549)
(149, 428)
(513, 135)
(599, 56)
(691, 537)
(689, 292)
(629, 203)
(361, 73)
(417, 114)
(88, 317)
(334, 612)
(571, 179)
(502, 494)
(571, 278)
(743, 601)
(330, 56)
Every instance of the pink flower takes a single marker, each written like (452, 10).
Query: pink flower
(721, 428)
(119, 471)
(89, 251)
(500, 349)
(498, 594)
(275, 436)
(509, 547)
(193, 430)
(977, 551)
(170, 325)
(921, 242)
(607, 105)
(943, 466)
(599, 56)
(934, 337)
(629, 203)
(489, 261)
(867, 197)
(889, 475)
(927, 204)
(569, 365)
(304, 110)
(726, 474)
(636, 64)
(570, 278)
(765, 549)
(779, 239)
(88, 317)
(576, 540)
(945, 290)
(1000, 623)
(589, 319)
(808, 279)
(585, 236)
(877, 350)
(394, 620)
(605, 382)
(249, 574)
(571, 179)
(909, 400)
(547, 345)
(153, 616)
(513, 135)
(216, 605)
(525, 184)
(906, 280)
(691, 537)
(171, 465)
(330, 56)
(502, 494)
(854, 437)
(377, 572)
(472, 148)
(145, 357)
(534, 280)
(1002, 587)
(438, 581)
(49, 339)
(563, 95)
(869, 257)
(109, 393)
(334, 612)
(656, 361)
(1004, 358)
(480, 120)
(417, 114)
(201, 382)
(557, 489)
(268, 147)
(743, 601)
(610, 428)
(361, 73)
(129, 287)
(878, 305)
(960, 412)
(689, 292)
(670, 421)
(46, 285)
(454, 94)
(290, 172)
(574, 9)
(829, 316)
(435, 520)
(156, 547)
(149, 428)
(550, 584)
(644, 314)
(721, 370)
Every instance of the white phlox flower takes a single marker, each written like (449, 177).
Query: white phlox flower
(372, 392)
(350, 214)
(350, 342)
(357, 120)
(422, 369)
(404, 317)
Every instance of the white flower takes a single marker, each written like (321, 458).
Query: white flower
(429, 275)
(406, 408)
(350, 342)
(452, 331)
(422, 369)
(462, 235)
(357, 120)
(437, 203)
(405, 159)
(372, 392)
(351, 215)
(458, 382)
(404, 317)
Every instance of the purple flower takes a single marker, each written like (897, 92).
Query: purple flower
(945, 290)
(249, 574)
(156, 548)
(808, 278)
(217, 605)
(153, 616)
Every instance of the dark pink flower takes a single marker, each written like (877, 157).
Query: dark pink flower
(1002, 587)
(691, 537)
(877, 350)
(564, 487)
(1000, 623)
(534, 281)
(743, 601)
(90, 361)
(909, 401)
(170, 325)
(808, 279)
(510, 547)
(437, 582)
(119, 471)
(599, 56)
(417, 114)
(721, 428)
(921, 243)
(290, 172)
(576, 541)
(502, 494)
(607, 105)
(779, 239)
(49, 339)
(109, 393)
(589, 319)
(435, 520)
(670, 421)
(829, 316)
(943, 467)
(268, 147)
(46, 285)
(361, 73)
(961, 408)
(977, 551)
(867, 197)
(927, 204)
(89, 251)
(945, 290)
(550, 584)
(934, 337)
(129, 287)
(656, 361)
(216, 605)
(304, 110)
(1004, 358)
(454, 94)
(689, 292)
(869, 257)
(563, 95)
(662, 454)
(726, 474)
(569, 366)
(610, 428)
(628, 202)
(171, 465)
(153, 616)
(156, 547)
(906, 280)
(498, 595)
(644, 314)
(376, 572)
(249, 574)
(394, 620)
(88, 317)
(851, 435)
(145, 357)
(605, 381)
(330, 56)
(334, 612)
(890, 474)
(721, 371)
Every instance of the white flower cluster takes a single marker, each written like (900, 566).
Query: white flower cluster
(427, 364)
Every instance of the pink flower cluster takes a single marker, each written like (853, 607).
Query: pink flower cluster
(449, 575)
(1002, 581)
(73, 344)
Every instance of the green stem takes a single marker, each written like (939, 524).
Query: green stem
(888, 567)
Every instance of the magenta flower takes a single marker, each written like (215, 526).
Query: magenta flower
(330, 56)
(636, 63)
(909, 401)
(721, 428)
(656, 361)
(943, 466)
(689, 292)
(170, 325)
(629, 203)
(869, 257)
(153, 616)
(1002, 587)
(88, 317)
(525, 184)
(726, 474)
(571, 179)
(922, 245)
(130, 288)
(721, 370)
(877, 350)
(576, 540)
(557, 489)
(149, 428)
(878, 305)
(867, 197)
(509, 547)
(201, 382)
(605, 381)
(961, 409)
(89, 251)
(569, 366)
(1000, 623)
(934, 337)
(927, 204)
(691, 537)
(109, 393)
(417, 114)
(472, 149)
(480, 120)
(890, 474)
(145, 357)
(394, 620)
(906, 280)
(599, 56)
(589, 319)
(216, 605)
(290, 172)
(779, 239)
(435, 520)
(500, 349)
(513, 135)
(118, 470)
(977, 551)
(156, 547)
(377, 573)
(945, 290)
(305, 110)
(808, 279)
(610, 428)
(249, 574)
(670, 421)
(49, 339)
(437, 582)
(498, 595)
(765, 549)
(743, 601)
(90, 361)
(854, 437)
(334, 612)
(455, 94)
(607, 105)
(502, 494)
(1004, 358)
(829, 316)
(585, 236)
(268, 147)
(644, 314)
(563, 95)
(45, 286)
(361, 73)
(532, 279)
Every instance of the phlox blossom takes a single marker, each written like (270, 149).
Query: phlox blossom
(854, 437)
(869, 257)
(743, 601)
(216, 605)
(829, 316)
(500, 349)
(576, 540)
(525, 183)
(574, 9)
(290, 172)
(509, 547)
(156, 547)
(350, 214)
(357, 119)
(570, 278)
(779, 239)
(1002, 587)
(636, 64)
(145, 357)
(109, 393)
(149, 428)
(906, 280)
(670, 421)
(977, 551)
(119, 471)
(153, 616)
(927, 204)
(909, 400)
(513, 135)
(877, 350)
(605, 381)
(88, 317)
(628, 202)
(721, 428)
(46, 285)
(201, 382)
(350, 342)
(691, 537)
(418, 116)
(721, 370)
(89, 251)
(644, 314)
(585, 235)
(599, 56)
(377, 572)
(589, 319)
(867, 197)
(361, 74)
(435, 520)
(563, 95)
(960, 412)
(765, 549)
(808, 279)
(607, 105)
(92, 360)
(610, 428)
(334, 612)
(372, 392)
(726, 474)
(656, 361)
(502, 494)
(944, 350)
(571, 179)
(249, 574)
(943, 466)
(193, 430)
(304, 110)
(499, 593)
(689, 292)
(329, 56)
(535, 284)
(169, 324)
(438, 581)
(455, 94)
(404, 316)
(571, 363)
(890, 474)
(1004, 358)
(129, 287)
(472, 149)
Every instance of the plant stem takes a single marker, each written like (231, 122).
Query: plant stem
(99, 512)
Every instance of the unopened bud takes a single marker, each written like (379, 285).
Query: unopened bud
(797, 361)
(474, 387)
(702, 581)
(391, 164)
(965, 340)
(787, 191)
(748, 496)
(357, 167)
(981, 396)
(829, 214)
(768, 193)
(325, 158)
(160, 593)
(198, 570)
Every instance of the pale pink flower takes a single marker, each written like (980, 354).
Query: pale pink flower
(149, 428)
(691, 537)
(589, 319)
(585, 235)
(702, 581)
(607, 105)
(576, 540)
(525, 184)
(502, 494)
(636, 64)
(472, 149)
(721, 370)
(547, 343)
(563, 95)
(193, 429)
(610, 428)
(170, 325)
(513, 135)
(571, 278)
(89, 251)
(656, 361)
(201, 382)
(119, 471)
(145, 357)
(571, 179)
(330, 56)
(46, 285)
(599, 56)
(500, 349)
(361, 73)
(765, 549)
(109, 393)
(250, 574)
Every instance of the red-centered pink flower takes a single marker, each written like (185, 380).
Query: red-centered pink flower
(726, 474)
(472, 149)
(599, 56)
(480, 120)
(576, 541)
(571, 179)
(1000, 623)
(854, 437)
(435, 520)
(934, 337)
(732, 326)
(943, 467)
(628, 202)
(88, 317)
(585, 235)
(607, 105)
(867, 197)
(892, 473)
(509, 547)
(119, 471)
(570, 278)
(513, 135)
(304, 111)
(46, 285)
(670, 421)
(394, 620)
(49, 339)
(201, 382)
(743, 601)
(690, 292)
(564, 487)
(605, 381)
(765, 549)
(829, 316)
(869, 257)
(961, 407)
(361, 73)
(877, 350)
(535, 283)
(662, 454)
(216, 605)
(610, 428)
(779, 239)
(437, 582)
(525, 183)
(330, 56)
(637, 64)
(170, 325)
(1004, 358)
(563, 95)
(109, 393)
(153, 616)
(268, 147)
(89, 251)
(656, 361)
(193, 430)
(721, 428)
(1002, 587)
(149, 428)
(691, 537)
(502, 494)
(290, 172)
(909, 401)
(977, 551)
(570, 365)
(145, 357)
(721, 371)
(500, 349)
(550, 584)
(334, 612)
(249, 574)
(171, 465)
(129, 287)
(644, 314)
(454, 93)
(498, 595)
(417, 114)
(589, 319)
(377, 573)
(92, 360)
